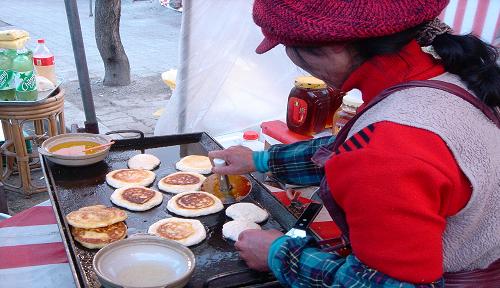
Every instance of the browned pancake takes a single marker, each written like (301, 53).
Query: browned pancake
(138, 195)
(95, 216)
(195, 200)
(181, 182)
(99, 237)
(181, 179)
(131, 175)
(126, 177)
(185, 231)
(136, 198)
(175, 230)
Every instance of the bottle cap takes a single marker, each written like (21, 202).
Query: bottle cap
(353, 98)
(40, 41)
(250, 135)
(219, 162)
(309, 83)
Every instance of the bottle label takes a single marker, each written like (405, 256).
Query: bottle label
(25, 81)
(47, 61)
(298, 108)
(6, 79)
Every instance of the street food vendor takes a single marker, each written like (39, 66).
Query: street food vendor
(417, 176)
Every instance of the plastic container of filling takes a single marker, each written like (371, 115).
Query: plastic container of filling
(308, 106)
(251, 140)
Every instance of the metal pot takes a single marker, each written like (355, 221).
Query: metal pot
(144, 261)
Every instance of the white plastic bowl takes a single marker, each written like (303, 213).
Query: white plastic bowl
(82, 160)
(145, 261)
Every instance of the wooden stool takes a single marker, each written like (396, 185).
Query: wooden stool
(14, 149)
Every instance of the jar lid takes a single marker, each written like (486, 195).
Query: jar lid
(353, 98)
(309, 82)
(250, 135)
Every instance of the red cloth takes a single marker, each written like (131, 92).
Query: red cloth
(317, 22)
(399, 187)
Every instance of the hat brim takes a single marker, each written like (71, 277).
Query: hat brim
(266, 45)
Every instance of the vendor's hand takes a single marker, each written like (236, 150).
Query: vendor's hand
(254, 247)
(238, 160)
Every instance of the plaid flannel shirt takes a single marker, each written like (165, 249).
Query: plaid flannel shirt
(299, 262)
(291, 163)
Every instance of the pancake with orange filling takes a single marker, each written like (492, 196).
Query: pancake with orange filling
(96, 238)
(188, 232)
(95, 216)
(194, 204)
(181, 182)
(136, 198)
(130, 177)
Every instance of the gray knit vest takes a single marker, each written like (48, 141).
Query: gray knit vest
(472, 236)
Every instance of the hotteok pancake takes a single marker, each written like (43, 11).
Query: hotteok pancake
(143, 161)
(195, 163)
(185, 231)
(96, 238)
(247, 212)
(136, 198)
(194, 204)
(95, 216)
(233, 229)
(128, 177)
(181, 182)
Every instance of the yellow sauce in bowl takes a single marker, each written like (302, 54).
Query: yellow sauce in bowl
(75, 148)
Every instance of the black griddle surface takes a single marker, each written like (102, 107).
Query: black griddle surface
(73, 188)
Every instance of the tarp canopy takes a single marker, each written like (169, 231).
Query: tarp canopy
(223, 86)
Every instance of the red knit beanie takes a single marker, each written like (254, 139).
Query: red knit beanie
(318, 22)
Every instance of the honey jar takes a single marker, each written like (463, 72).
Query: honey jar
(310, 107)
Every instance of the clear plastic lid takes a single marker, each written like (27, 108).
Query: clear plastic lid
(353, 98)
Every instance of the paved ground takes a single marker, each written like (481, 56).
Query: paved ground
(150, 35)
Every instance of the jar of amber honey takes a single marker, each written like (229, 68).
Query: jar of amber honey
(309, 106)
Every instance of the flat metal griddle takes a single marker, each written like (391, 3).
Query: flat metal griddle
(217, 261)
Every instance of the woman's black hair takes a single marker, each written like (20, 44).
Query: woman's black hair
(473, 60)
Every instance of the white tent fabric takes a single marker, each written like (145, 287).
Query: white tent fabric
(223, 86)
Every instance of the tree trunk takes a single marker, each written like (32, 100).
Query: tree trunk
(107, 36)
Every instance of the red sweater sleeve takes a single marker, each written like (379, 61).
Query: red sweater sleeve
(397, 184)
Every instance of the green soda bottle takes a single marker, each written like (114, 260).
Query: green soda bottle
(7, 87)
(24, 76)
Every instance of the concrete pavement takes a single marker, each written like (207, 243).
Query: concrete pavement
(150, 35)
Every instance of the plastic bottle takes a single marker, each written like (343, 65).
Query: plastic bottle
(308, 106)
(251, 140)
(7, 85)
(44, 62)
(350, 103)
(24, 76)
